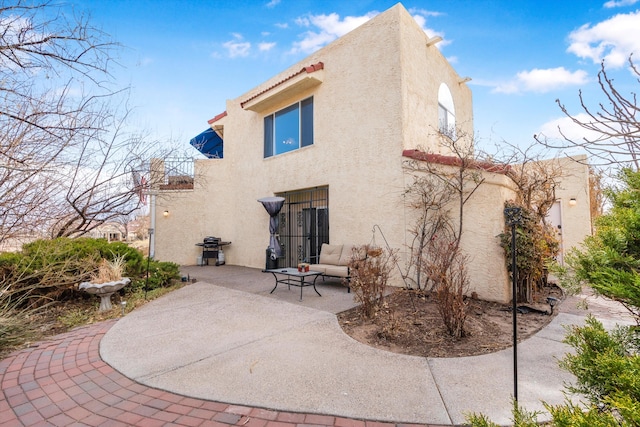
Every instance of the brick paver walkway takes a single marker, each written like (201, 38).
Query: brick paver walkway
(63, 381)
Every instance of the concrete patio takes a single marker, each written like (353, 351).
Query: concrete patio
(224, 351)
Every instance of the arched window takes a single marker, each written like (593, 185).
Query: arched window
(446, 111)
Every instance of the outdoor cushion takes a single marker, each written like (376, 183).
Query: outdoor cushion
(330, 254)
(347, 254)
(336, 270)
(318, 267)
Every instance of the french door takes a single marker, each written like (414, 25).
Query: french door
(304, 225)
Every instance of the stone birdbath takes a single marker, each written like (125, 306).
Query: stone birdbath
(105, 290)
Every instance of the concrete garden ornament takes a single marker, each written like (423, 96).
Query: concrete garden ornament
(107, 281)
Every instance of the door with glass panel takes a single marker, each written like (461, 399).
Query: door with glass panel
(304, 225)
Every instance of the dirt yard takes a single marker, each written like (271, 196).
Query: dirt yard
(411, 324)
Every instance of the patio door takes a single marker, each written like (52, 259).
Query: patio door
(304, 225)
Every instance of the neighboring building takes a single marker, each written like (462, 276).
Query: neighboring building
(111, 231)
(331, 135)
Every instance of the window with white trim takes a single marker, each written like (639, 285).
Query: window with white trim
(446, 111)
(289, 129)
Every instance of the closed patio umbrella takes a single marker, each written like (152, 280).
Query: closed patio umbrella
(273, 206)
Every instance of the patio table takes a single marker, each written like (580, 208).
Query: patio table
(293, 277)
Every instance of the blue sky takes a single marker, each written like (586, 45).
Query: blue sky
(184, 59)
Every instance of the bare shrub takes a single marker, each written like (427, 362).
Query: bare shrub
(370, 268)
(445, 265)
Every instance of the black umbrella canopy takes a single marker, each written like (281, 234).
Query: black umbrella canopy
(273, 206)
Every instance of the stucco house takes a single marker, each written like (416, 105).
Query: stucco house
(331, 134)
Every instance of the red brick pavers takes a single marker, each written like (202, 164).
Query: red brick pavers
(63, 382)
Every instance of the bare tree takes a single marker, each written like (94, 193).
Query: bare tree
(66, 157)
(442, 184)
(536, 175)
(613, 123)
(429, 199)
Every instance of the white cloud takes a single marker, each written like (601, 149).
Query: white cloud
(273, 3)
(266, 46)
(543, 80)
(237, 47)
(612, 40)
(302, 21)
(282, 25)
(326, 29)
(419, 16)
(425, 12)
(570, 130)
(619, 3)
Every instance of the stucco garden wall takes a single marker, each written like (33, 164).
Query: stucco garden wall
(483, 221)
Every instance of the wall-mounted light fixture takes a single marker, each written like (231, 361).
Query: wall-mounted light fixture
(573, 201)
(165, 214)
(464, 80)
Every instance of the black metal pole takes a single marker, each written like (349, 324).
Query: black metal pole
(146, 282)
(514, 310)
(513, 217)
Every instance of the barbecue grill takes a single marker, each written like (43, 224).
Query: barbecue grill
(212, 248)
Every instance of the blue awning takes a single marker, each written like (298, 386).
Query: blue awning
(208, 143)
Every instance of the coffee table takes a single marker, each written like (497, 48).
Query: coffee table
(293, 277)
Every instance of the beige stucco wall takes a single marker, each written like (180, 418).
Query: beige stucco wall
(576, 220)
(378, 96)
(424, 68)
(483, 222)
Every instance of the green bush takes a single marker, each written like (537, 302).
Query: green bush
(607, 368)
(520, 418)
(53, 268)
(609, 261)
(44, 252)
(161, 274)
(536, 246)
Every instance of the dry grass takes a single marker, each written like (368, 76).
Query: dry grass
(20, 328)
(109, 271)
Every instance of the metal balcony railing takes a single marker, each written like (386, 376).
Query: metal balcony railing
(173, 173)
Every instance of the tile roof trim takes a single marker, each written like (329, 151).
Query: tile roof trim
(309, 69)
(455, 161)
(218, 117)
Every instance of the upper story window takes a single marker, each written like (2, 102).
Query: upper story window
(446, 111)
(289, 129)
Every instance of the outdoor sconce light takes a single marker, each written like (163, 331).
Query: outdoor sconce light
(572, 201)
(165, 214)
